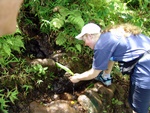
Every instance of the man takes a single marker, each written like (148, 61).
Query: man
(125, 44)
(8, 16)
(90, 34)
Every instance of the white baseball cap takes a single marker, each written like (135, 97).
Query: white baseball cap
(89, 28)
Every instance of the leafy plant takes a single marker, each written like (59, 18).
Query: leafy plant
(12, 95)
(116, 101)
(27, 88)
(9, 44)
(64, 68)
(62, 20)
(3, 105)
(5, 98)
(39, 69)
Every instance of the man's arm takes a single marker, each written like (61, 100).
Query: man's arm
(90, 74)
(110, 66)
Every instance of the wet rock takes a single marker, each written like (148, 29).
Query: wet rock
(88, 104)
(56, 97)
(107, 92)
(36, 107)
(47, 62)
(94, 98)
(44, 62)
(61, 106)
(67, 96)
(59, 57)
(58, 106)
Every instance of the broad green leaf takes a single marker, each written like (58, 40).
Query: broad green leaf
(64, 68)
(78, 46)
(57, 23)
(61, 39)
(7, 49)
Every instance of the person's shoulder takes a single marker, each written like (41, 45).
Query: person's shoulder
(106, 34)
(110, 36)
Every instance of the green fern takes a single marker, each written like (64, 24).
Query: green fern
(3, 102)
(8, 44)
(68, 19)
(3, 105)
(69, 16)
(78, 46)
(57, 23)
(12, 95)
(45, 26)
(64, 11)
(6, 49)
(76, 20)
(72, 16)
(17, 44)
(61, 39)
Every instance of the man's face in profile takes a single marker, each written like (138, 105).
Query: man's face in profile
(8, 15)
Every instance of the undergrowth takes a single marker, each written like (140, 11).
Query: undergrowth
(64, 18)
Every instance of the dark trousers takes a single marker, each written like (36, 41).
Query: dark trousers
(139, 99)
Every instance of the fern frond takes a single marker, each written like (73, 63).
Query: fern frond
(76, 13)
(64, 11)
(57, 23)
(78, 46)
(61, 39)
(6, 49)
(76, 20)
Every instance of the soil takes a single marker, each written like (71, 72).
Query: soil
(65, 90)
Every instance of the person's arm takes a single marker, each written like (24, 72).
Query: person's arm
(90, 74)
(110, 66)
(87, 75)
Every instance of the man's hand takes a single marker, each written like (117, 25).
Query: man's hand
(87, 75)
(74, 78)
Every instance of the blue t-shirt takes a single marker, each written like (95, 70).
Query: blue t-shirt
(118, 48)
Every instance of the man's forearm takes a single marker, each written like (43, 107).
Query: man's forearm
(88, 75)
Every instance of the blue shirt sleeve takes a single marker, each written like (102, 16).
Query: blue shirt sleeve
(103, 51)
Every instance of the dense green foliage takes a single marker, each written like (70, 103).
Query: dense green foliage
(67, 17)
(64, 18)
